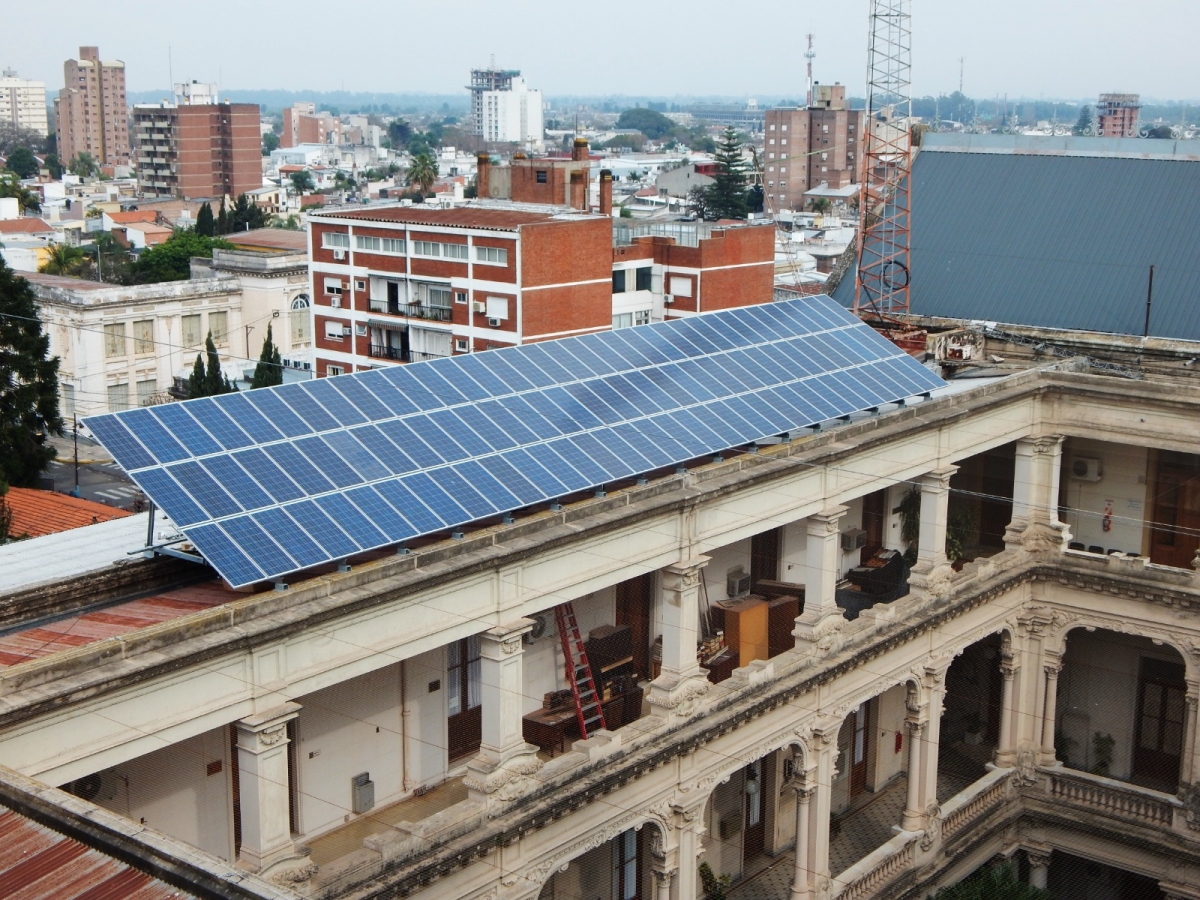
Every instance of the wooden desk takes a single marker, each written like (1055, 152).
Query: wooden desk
(720, 666)
(549, 730)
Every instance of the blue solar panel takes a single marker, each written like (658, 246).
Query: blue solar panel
(277, 480)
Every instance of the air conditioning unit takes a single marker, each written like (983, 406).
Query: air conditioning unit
(346, 330)
(668, 298)
(97, 787)
(854, 539)
(478, 306)
(1084, 468)
(285, 362)
(339, 254)
(362, 793)
(737, 583)
(494, 323)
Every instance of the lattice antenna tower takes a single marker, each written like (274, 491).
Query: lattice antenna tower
(809, 55)
(883, 233)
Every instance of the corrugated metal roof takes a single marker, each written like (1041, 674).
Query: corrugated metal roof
(1055, 241)
(37, 863)
(54, 557)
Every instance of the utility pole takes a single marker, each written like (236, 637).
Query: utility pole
(75, 416)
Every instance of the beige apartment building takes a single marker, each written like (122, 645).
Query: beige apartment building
(23, 102)
(91, 114)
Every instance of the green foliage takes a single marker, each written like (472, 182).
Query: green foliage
(54, 165)
(1084, 122)
(399, 133)
(626, 213)
(634, 142)
(5, 516)
(1163, 132)
(63, 260)
(698, 200)
(84, 165)
(703, 144)
(423, 172)
(291, 223)
(715, 887)
(245, 215)
(991, 883)
(269, 371)
(910, 517)
(302, 182)
(171, 260)
(208, 381)
(28, 385)
(206, 225)
(270, 141)
(820, 204)
(652, 124)
(727, 194)
(14, 136)
(22, 161)
(962, 522)
(10, 186)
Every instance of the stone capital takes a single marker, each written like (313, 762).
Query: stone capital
(937, 481)
(826, 522)
(684, 574)
(505, 640)
(263, 731)
(676, 700)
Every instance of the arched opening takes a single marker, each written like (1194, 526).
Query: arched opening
(1122, 710)
(619, 869)
(971, 715)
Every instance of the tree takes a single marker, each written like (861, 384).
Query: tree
(698, 200)
(302, 182)
(208, 381)
(14, 136)
(423, 172)
(270, 141)
(63, 260)
(222, 224)
(54, 165)
(1084, 122)
(1163, 132)
(652, 124)
(10, 186)
(23, 162)
(171, 260)
(245, 215)
(269, 371)
(819, 204)
(399, 132)
(727, 194)
(205, 224)
(991, 883)
(28, 385)
(84, 165)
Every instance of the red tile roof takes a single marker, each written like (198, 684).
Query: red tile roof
(36, 862)
(134, 215)
(460, 217)
(25, 225)
(270, 239)
(35, 513)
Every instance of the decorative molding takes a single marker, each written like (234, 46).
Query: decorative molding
(269, 737)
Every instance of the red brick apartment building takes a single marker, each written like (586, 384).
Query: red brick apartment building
(806, 147)
(192, 151)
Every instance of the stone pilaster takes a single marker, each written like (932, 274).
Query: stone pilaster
(818, 628)
(681, 684)
(932, 568)
(1035, 526)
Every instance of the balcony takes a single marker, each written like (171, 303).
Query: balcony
(398, 355)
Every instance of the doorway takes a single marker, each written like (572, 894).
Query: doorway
(633, 609)
(627, 869)
(755, 833)
(1158, 737)
(874, 513)
(764, 556)
(1175, 529)
(464, 716)
(859, 721)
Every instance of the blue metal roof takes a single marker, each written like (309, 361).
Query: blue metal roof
(280, 479)
(1056, 241)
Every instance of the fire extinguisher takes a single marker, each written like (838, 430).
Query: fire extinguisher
(1107, 521)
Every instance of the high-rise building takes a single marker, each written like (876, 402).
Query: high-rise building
(23, 102)
(504, 109)
(90, 114)
(302, 124)
(1117, 115)
(197, 147)
(808, 146)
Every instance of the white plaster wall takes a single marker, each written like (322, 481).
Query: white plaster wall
(851, 520)
(171, 791)
(722, 560)
(889, 715)
(425, 719)
(1123, 483)
(343, 731)
(1098, 693)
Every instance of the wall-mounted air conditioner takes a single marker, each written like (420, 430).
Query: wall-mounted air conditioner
(339, 254)
(854, 539)
(668, 298)
(737, 582)
(346, 330)
(478, 306)
(494, 323)
(1084, 468)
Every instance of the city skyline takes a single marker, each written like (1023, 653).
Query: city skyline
(1059, 58)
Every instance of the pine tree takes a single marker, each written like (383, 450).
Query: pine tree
(28, 385)
(1084, 122)
(208, 381)
(205, 223)
(269, 371)
(727, 194)
(197, 386)
(224, 226)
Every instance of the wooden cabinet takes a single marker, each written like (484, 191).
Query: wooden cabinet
(746, 622)
(781, 621)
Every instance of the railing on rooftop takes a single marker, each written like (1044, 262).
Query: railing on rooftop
(686, 234)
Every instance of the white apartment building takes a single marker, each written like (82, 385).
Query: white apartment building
(512, 115)
(23, 102)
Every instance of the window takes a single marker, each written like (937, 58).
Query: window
(143, 336)
(67, 392)
(623, 320)
(114, 340)
(335, 240)
(782, 141)
(333, 330)
(360, 330)
(680, 286)
(331, 371)
(784, 128)
(427, 248)
(299, 317)
(333, 286)
(393, 245)
(438, 296)
(497, 308)
(782, 170)
(641, 317)
(771, 141)
(825, 129)
(365, 242)
(643, 278)
(495, 256)
(541, 176)
(618, 281)
(460, 345)
(118, 397)
(460, 296)
(145, 391)
(454, 251)
(218, 326)
(772, 127)
(770, 156)
(359, 284)
(625, 865)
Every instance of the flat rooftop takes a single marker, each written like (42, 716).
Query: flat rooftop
(270, 239)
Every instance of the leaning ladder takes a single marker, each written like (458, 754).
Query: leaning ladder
(579, 672)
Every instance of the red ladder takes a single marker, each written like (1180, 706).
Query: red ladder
(579, 671)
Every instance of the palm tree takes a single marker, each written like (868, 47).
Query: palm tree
(10, 186)
(423, 172)
(820, 204)
(63, 260)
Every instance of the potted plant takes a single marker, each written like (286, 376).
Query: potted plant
(974, 726)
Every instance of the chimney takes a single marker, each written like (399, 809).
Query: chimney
(579, 186)
(605, 192)
(483, 171)
(580, 152)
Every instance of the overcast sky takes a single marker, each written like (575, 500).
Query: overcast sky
(1031, 48)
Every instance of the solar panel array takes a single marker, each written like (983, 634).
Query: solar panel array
(272, 481)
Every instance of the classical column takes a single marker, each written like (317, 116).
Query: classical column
(825, 742)
(689, 823)
(1052, 667)
(264, 789)
(1039, 867)
(1006, 747)
(935, 505)
(504, 760)
(1035, 524)
(1187, 765)
(801, 883)
(935, 692)
(677, 690)
(662, 882)
(822, 555)
(914, 815)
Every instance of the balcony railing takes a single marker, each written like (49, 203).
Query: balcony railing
(1112, 798)
(398, 355)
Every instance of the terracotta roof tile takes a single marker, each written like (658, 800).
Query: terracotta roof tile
(134, 215)
(35, 513)
(25, 225)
